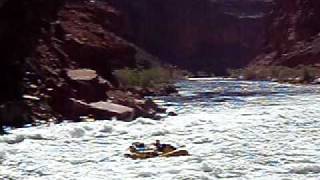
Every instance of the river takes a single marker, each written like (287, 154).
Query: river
(232, 129)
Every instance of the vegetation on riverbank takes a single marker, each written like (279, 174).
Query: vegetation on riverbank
(300, 74)
(149, 78)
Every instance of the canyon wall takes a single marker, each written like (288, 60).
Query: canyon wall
(293, 34)
(57, 56)
(201, 35)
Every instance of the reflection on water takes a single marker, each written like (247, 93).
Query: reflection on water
(233, 129)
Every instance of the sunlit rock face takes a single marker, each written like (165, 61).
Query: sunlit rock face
(293, 36)
(209, 35)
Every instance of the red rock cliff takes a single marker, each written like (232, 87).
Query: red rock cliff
(293, 34)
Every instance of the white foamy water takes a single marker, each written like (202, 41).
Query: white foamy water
(233, 129)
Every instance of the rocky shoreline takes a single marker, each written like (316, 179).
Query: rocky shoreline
(123, 104)
(297, 75)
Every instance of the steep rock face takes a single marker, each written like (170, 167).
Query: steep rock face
(293, 35)
(20, 24)
(197, 34)
(57, 53)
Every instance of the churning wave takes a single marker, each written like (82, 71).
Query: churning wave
(269, 135)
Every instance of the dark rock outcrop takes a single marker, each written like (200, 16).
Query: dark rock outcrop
(57, 53)
(293, 36)
(79, 38)
(20, 27)
(143, 107)
(201, 35)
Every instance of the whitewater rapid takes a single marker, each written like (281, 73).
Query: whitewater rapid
(232, 129)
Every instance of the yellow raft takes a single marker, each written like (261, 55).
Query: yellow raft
(175, 153)
(151, 153)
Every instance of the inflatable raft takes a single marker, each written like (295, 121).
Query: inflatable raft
(146, 152)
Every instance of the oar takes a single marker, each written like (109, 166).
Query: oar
(182, 146)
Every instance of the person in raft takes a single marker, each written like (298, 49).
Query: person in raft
(164, 148)
(140, 155)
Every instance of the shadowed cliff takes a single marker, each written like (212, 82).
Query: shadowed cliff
(293, 36)
(197, 34)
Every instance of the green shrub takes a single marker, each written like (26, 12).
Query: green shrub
(286, 73)
(234, 73)
(152, 77)
(309, 73)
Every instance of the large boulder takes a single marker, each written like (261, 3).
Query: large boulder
(143, 107)
(88, 85)
(114, 110)
(82, 74)
(100, 110)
